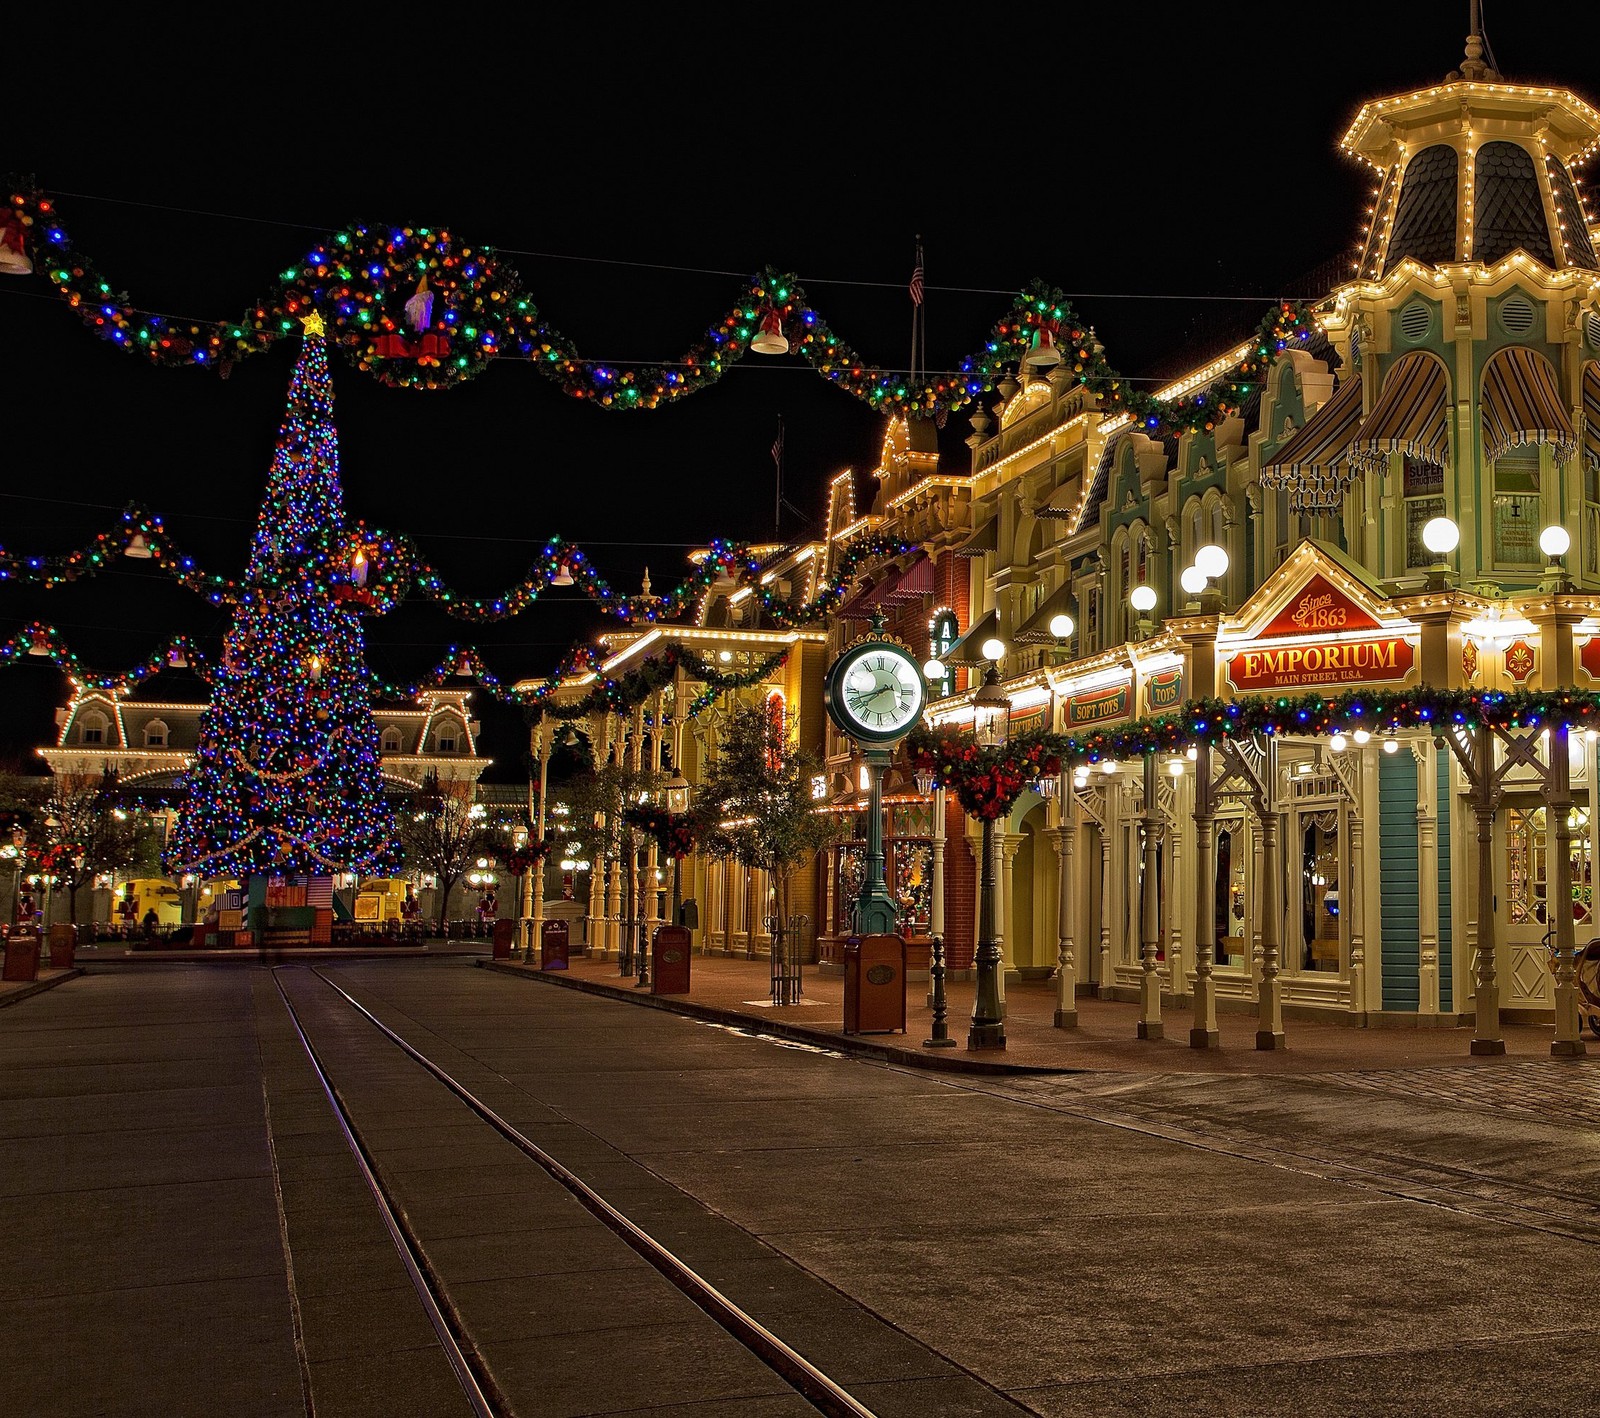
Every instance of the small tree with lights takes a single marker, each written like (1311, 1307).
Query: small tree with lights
(445, 832)
(286, 779)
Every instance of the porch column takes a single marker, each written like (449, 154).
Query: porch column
(1427, 878)
(1003, 848)
(936, 886)
(1066, 1016)
(1204, 1034)
(1269, 1018)
(1149, 976)
(1105, 902)
(1558, 806)
(1486, 1035)
(1351, 899)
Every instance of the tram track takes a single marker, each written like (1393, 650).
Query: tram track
(471, 1363)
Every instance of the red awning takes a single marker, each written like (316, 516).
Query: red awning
(896, 585)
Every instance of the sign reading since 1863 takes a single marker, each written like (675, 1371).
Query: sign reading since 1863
(1321, 609)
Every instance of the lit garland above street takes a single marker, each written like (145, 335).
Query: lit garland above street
(417, 308)
(374, 571)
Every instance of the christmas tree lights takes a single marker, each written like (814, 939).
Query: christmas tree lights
(286, 778)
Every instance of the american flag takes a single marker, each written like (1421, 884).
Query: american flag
(777, 445)
(916, 279)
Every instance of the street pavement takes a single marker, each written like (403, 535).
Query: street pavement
(1370, 1220)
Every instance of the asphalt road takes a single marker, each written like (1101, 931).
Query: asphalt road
(187, 1232)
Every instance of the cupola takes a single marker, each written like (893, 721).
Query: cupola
(1473, 169)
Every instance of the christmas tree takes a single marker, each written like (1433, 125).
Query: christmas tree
(286, 779)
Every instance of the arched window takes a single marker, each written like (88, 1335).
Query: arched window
(446, 738)
(155, 734)
(391, 740)
(92, 728)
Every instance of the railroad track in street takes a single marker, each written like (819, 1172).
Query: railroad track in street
(332, 1052)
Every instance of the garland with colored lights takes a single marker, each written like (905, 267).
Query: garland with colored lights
(419, 309)
(989, 780)
(617, 696)
(45, 641)
(373, 571)
(672, 832)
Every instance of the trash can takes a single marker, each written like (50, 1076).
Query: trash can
(553, 945)
(63, 944)
(874, 985)
(505, 935)
(22, 956)
(669, 961)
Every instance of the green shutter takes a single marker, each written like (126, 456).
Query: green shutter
(1399, 898)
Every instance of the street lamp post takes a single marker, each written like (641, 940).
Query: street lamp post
(533, 878)
(939, 1036)
(677, 793)
(991, 724)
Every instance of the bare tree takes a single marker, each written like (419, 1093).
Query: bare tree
(445, 831)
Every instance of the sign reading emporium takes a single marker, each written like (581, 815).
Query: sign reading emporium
(1334, 649)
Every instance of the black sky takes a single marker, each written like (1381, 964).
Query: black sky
(1144, 151)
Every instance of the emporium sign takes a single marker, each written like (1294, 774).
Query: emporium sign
(1345, 656)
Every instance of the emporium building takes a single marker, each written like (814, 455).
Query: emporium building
(1384, 505)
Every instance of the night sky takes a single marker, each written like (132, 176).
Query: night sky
(1186, 158)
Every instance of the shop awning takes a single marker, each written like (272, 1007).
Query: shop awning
(1411, 415)
(986, 538)
(967, 651)
(1591, 412)
(896, 585)
(1314, 465)
(1036, 628)
(1522, 404)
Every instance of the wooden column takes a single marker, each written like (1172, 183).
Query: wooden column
(1486, 1035)
(1066, 1015)
(1269, 1016)
(1558, 808)
(1150, 899)
(1204, 1033)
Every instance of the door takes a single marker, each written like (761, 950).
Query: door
(1524, 871)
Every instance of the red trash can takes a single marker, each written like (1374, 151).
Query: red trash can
(22, 956)
(669, 961)
(875, 985)
(505, 936)
(63, 946)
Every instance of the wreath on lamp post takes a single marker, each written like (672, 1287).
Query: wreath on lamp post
(526, 857)
(672, 832)
(986, 781)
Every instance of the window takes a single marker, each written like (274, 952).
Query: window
(92, 728)
(1091, 620)
(391, 740)
(1516, 508)
(1591, 514)
(155, 734)
(1422, 486)
(445, 742)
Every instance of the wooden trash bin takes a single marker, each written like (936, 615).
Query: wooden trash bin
(669, 961)
(505, 937)
(875, 985)
(63, 945)
(22, 956)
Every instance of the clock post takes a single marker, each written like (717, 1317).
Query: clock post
(875, 693)
(875, 908)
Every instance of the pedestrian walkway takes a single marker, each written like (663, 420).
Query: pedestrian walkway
(737, 991)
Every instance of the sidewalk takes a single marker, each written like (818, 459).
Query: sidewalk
(738, 992)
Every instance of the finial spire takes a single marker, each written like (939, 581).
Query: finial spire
(1474, 65)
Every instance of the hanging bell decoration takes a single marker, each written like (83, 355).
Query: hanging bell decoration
(138, 548)
(464, 664)
(1044, 354)
(563, 576)
(14, 258)
(40, 644)
(176, 659)
(769, 338)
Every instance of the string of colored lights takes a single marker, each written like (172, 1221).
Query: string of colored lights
(417, 308)
(374, 571)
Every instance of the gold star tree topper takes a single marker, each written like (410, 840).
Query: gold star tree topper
(312, 323)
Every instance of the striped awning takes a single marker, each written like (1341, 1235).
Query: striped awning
(986, 538)
(1035, 630)
(898, 584)
(1591, 412)
(1522, 404)
(1313, 466)
(968, 650)
(1412, 415)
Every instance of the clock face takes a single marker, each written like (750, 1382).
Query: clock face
(875, 691)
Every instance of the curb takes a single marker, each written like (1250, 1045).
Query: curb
(937, 1062)
(39, 986)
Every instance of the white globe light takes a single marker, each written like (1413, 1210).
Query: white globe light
(1554, 541)
(1391, 746)
(1361, 736)
(1175, 767)
(1338, 743)
(1062, 626)
(933, 669)
(1142, 598)
(1193, 580)
(1109, 766)
(1441, 536)
(993, 649)
(1211, 560)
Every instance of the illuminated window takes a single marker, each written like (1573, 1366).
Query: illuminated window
(155, 734)
(1422, 487)
(1517, 522)
(391, 740)
(92, 728)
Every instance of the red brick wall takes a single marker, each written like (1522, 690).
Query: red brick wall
(960, 890)
(951, 588)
